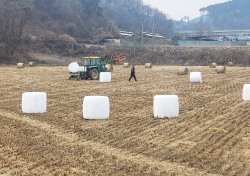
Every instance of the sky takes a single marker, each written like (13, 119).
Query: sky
(177, 9)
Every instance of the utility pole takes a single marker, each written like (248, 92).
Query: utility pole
(142, 35)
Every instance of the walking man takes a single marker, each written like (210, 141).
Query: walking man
(132, 73)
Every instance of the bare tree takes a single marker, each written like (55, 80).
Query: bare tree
(13, 16)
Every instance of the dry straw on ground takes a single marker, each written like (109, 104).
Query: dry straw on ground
(210, 137)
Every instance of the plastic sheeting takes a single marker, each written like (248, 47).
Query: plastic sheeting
(246, 92)
(34, 102)
(73, 67)
(195, 77)
(105, 77)
(96, 107)
(166, 106)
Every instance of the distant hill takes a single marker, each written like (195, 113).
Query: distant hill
(232, 15)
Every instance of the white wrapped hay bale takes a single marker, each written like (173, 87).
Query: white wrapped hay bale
(34, 102)
(195, 77)
(246, 92)
(105, 77)
(148, 65)
(73, 67)
(125, 65)
(31, 64)
(221, 69)
(213, 65)
(96, 107)
(166, 106)
(182, 71)
(20, 65)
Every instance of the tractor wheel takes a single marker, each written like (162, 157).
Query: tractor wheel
(94, 74)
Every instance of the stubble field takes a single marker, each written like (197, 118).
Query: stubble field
(210, 137)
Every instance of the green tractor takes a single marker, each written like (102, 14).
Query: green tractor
(90, 68)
